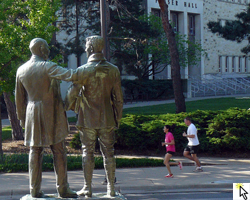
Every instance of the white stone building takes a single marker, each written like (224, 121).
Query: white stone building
(191, 17)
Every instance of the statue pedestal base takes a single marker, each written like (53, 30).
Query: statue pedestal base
(95, 196)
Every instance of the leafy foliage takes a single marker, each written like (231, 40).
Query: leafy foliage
(72, 22)
(6, 133)
(218, 131)
(133, 35)
(189, 52)
(20, 22)
(235, 30)
(76, 142)
(19, 162)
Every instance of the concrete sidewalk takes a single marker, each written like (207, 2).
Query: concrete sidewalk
(219, 173)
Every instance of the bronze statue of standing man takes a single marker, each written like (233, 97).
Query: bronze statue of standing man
(41, 112)
(99, 108)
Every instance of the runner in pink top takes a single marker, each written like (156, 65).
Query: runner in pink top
(168, 138)
(170, 147)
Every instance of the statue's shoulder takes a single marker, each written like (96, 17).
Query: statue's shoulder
(49, 64)
(86, 66)
(23, 67)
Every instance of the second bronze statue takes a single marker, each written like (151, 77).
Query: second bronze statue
(98, 101)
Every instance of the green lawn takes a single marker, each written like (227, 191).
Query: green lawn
(207, 104)
(6, 133)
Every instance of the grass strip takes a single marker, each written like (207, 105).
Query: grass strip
(6, 133)
(205, 104)
(19, 163)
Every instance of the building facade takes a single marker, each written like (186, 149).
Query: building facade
(190, 17)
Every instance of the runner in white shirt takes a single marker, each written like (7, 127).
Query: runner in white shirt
(193, 143)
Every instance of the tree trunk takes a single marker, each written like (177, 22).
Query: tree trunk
(1, 146)
(174, 55)
(17, 131)
(78, 55)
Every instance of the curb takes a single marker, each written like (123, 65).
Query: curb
(135, 189)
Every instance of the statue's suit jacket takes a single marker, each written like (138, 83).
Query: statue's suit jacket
(39, 103)
(100, 102)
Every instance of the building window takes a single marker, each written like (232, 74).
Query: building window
(245, 65)
(191, 25)
(220, 63)
(239, 64)
(156, 12)
(174, 21)
(233, 64)
(227, 64)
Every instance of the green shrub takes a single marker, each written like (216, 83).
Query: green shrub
(72, 119)
(218, 131)
(6, 133)
(19, 163)
(75, 143)
(230, 130)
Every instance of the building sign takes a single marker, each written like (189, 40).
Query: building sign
(186, 4)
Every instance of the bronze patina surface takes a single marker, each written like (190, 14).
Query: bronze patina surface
(98, 101)
(41, 112)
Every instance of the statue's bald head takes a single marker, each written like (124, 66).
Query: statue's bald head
(39, 47)
(95, 44)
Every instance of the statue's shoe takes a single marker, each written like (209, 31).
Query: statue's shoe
(85, 191)
(111, 192)
(68, 193)
(40, 194)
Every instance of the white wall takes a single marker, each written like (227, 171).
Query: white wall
(215, 45)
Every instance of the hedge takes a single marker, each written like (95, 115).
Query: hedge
(218, 131)
(19, 162)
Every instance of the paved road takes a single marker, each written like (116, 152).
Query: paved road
(226, 195)
(163, 196)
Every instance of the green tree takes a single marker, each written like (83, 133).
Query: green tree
(1, 147)
(72, 21)
(20, 22)
(126, 34)
(133, 37)
(235, 30)
(189, 52)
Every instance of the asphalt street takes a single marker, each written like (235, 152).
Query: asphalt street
(224, 195)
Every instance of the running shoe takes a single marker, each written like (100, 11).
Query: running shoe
(180, 165)
(169, 176)
(198, 169)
